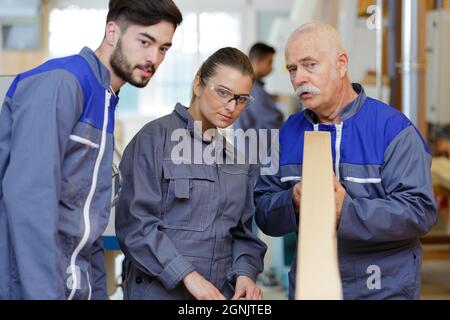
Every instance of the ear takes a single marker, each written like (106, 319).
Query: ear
(112, 33)
(342, 64)
(198, 87)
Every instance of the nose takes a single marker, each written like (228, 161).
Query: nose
(231, 105)
(152, 55)
(299, 78)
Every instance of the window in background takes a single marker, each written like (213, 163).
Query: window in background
(199, 35)
(73, 28)
(20, 25)
(265, 20)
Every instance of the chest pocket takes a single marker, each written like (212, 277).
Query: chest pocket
(236, 181)
(190, 195)
(361, 182)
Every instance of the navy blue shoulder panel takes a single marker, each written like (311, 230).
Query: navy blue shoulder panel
(365, 136)
(93, 91)
(47, 66)
(368, 134)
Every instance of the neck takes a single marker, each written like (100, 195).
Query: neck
(346, 94)
(104, 56)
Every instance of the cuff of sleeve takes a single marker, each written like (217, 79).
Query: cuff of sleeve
(242, 269)
(175, 272)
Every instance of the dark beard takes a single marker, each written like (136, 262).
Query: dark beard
(124, 70)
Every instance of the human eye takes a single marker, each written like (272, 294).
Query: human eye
(311, 66)
(144, 43)
(223, 93)
(292, 71)
(243, 100)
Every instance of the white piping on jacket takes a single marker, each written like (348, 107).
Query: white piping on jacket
(84, 141)
(87, 206)
(338, 149)
(363, 180)
(293, 178)
(89, 285)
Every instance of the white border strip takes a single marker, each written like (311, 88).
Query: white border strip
(361, 180)
(87, 206)
(293, 178)
(338, 149)
(84, 141)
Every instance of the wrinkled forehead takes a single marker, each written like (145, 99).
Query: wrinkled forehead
(307, 47)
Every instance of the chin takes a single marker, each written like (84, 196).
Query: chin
(309, 106)
(221, 126)
(224, 125)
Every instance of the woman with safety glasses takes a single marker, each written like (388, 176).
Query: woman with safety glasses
(184, 216)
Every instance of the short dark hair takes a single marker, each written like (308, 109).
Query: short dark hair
(260, 50)
(143, 12)
(229, 57)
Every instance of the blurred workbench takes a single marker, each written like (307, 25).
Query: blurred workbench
(437, 242)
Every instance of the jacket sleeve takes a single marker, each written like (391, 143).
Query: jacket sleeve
(99, 287)
(248, 250)
(275, 214)
(139, 209)
(408, 211)
(43, 111)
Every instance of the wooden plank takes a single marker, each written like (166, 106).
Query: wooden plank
(318, 274)
(444, 239)
(436, 255)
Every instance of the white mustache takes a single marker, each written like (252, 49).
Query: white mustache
(307, 89)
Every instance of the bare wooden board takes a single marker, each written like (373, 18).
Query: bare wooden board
(318, 276)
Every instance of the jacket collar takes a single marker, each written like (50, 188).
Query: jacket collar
(186, 117)
(184, 114)
(98, 68)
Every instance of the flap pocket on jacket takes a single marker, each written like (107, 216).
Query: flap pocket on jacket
(188, 202)
(182, 188)
(235, 168)
(188, 171)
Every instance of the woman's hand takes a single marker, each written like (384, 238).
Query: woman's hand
(246, 289)
(201, 288)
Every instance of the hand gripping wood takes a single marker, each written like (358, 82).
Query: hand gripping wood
(318, 276)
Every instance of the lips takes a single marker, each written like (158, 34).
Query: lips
(306, 95)
(225, 117)
(146, 72)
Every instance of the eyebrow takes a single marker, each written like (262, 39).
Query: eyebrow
(224, 87)
(306, 59)
(153, 39)
(241, 94)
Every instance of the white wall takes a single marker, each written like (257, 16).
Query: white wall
(88, 4)
(358, 39)
(249, 8)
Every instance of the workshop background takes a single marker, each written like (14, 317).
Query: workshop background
(400, 56)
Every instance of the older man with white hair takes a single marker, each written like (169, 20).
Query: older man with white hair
(383, 191)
